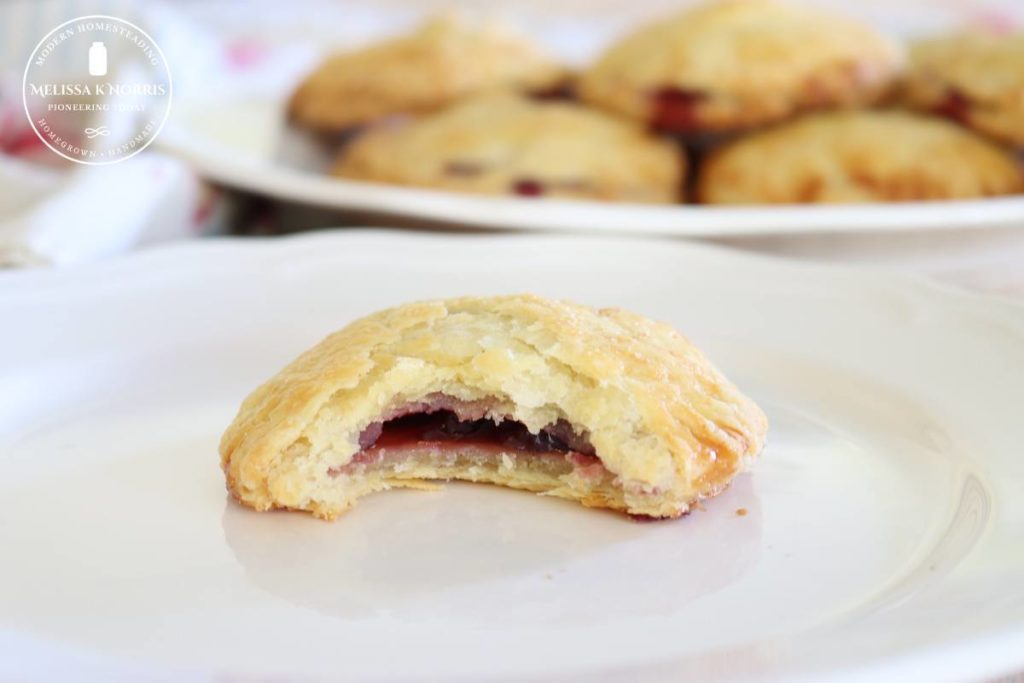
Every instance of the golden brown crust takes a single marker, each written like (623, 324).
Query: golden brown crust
(977, 79)
(661, 418)
(858, 157)
(445, 59)
(740, 63)
(505, 144)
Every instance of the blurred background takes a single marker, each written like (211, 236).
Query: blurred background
(54, 212)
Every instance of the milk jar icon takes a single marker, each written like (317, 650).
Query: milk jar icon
(98, 59)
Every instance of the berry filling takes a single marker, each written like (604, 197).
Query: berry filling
(446, 426)
(447, 435)
(955, 106)
(675, 109)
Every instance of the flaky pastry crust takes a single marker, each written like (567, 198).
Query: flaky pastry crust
(447, 58)
(863, 156)
(668, 428)
(974, 78)
(500, 143)
(736, 64)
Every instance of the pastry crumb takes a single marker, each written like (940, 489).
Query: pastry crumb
(741, 512)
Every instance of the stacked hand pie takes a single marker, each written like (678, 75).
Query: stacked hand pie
(778, 102)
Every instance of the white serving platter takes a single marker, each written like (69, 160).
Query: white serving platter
(244, 142)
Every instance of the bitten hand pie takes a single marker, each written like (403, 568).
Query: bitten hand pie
(604, 407)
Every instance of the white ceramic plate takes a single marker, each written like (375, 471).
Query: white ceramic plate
(245, 143)
(883, 539)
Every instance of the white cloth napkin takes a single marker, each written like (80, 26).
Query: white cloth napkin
(54, 212)
(91, 212)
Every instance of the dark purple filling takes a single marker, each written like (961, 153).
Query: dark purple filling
(445, 425)
(675, 109)
(527, 187)
(955, 106)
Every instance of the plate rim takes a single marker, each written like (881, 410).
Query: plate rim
(248, 172)
(206, 245)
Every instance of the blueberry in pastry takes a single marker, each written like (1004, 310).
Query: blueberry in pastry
(505, 144)
(604, 407)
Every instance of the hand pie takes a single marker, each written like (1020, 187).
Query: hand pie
(976, 79)
(604, 407)
(501, 143)
(863, 156)
(735, 64)
(445, 59)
